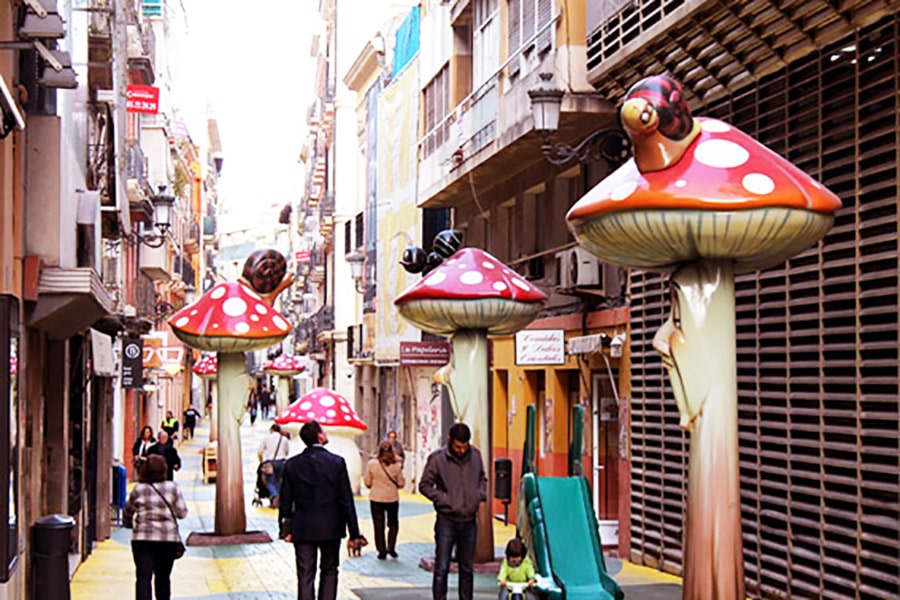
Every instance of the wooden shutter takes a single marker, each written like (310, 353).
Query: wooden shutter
(817, 343)
(514, 33)
(544, 16)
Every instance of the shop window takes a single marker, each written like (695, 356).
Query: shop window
(9, 433)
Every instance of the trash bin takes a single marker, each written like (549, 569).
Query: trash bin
(50, 557)
(503, 479)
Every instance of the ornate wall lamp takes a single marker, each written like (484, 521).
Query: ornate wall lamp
(162, 219)
(356, 261)
(610, 145)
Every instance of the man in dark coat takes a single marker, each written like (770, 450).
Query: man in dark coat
(317, 501)
(454, 481)
(167, 450)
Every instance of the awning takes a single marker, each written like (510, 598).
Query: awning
(587, 344)
(69, 300)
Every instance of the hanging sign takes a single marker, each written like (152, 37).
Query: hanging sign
(418, 354)
(142, 99)
(132, 363)
(540, 347)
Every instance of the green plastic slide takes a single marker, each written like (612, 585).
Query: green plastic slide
(556, 520)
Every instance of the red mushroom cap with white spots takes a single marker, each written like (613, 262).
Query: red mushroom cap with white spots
(207, 367)
(326, 406)
(284, 365)
(727, 197)
(229, 318)
(471, 290)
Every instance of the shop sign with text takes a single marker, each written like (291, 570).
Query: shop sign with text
(142, 99)
(424, 354)
(540, 347)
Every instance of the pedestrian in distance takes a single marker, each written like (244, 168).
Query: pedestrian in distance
(316, 510)
(141, 448)
(170, 425)
(384, 478)
(516, 572)
(397, 446)
(253, 405)
(454, 481)
(151, 512)
(272, 453)
(265, 401)
(191, 416)
(166, 448)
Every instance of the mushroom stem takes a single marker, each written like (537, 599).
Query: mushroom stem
(230, 517)
(698, 346)
(214, 413)
(283, 391)
(468, 382)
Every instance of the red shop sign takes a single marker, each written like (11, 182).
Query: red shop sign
(142, 99)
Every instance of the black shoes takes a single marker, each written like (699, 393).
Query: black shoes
(392, 553)
(381, 556)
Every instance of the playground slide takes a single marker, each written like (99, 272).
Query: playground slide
(557, 522)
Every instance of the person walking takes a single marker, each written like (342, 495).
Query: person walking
(384, 477)
(315, 511)
(265, 401)
(253, 404)
(170, 425)
(151, 512)
(454, 481)
(191, 416)
(272, 452)
(167, 450)
(141, 448)
(397, 446)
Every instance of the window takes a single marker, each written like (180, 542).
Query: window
(526, 19)
(436, 101)
(485, 40)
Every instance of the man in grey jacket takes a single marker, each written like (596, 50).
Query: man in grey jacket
(455, 482)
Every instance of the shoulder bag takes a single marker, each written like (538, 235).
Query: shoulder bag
(394, 481)
(179, 551)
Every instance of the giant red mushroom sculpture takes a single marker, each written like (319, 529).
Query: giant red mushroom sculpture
(702, 201)
(284, 367)
(230, 319)
(338, 419)
(207, 368)
(469, 296)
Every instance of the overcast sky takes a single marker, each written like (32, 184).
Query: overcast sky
(251, 63)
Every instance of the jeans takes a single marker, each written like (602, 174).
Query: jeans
(447, 533)
(379, 511)
(153, 561)
(305, 553)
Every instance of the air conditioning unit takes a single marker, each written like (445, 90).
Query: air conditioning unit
(577, 268)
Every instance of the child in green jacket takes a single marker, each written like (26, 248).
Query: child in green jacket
(516, 568)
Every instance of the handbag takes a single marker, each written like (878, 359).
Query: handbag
(179, 550)
(267, 468)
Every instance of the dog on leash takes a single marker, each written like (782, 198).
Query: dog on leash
(354, 547)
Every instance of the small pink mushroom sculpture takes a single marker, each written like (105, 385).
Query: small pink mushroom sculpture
(230, 319)
(702, 201)
(469, 296)
(338, 419)
(206, 369)
(284, 367)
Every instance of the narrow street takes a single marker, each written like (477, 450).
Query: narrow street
(257, 571)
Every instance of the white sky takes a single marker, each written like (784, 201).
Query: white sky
(250, 62)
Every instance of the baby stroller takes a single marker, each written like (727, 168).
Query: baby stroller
(262, 490)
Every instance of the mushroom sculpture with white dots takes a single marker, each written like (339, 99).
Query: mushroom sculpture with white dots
(703, 201)
(468, 297)
(284, 367)
(207, 368)
(338, 419)
(230, 319)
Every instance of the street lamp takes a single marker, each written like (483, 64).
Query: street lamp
(162, 218)
(610, 145)
(356, 261)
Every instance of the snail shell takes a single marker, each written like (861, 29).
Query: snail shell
(264, 270)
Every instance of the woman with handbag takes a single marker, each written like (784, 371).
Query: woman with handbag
(141, 449)
(152, 511)
(384, 477)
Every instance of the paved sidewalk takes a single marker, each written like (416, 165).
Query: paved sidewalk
(267, 571)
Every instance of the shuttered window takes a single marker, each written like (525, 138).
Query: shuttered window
(528, 25)
(817, 343)
(436, 105)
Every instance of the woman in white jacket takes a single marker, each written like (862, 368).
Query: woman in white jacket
(384, 477)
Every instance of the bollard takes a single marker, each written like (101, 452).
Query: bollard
(50, 557)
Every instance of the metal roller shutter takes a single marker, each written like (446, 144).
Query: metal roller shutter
(818, 360)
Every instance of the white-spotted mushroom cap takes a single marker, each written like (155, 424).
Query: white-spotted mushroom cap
(207, 367)
(727, 197)
(284, 365)
(471, 290)
(229, 318)
(330, 409)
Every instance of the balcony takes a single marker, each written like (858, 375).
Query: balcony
(100, 51)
